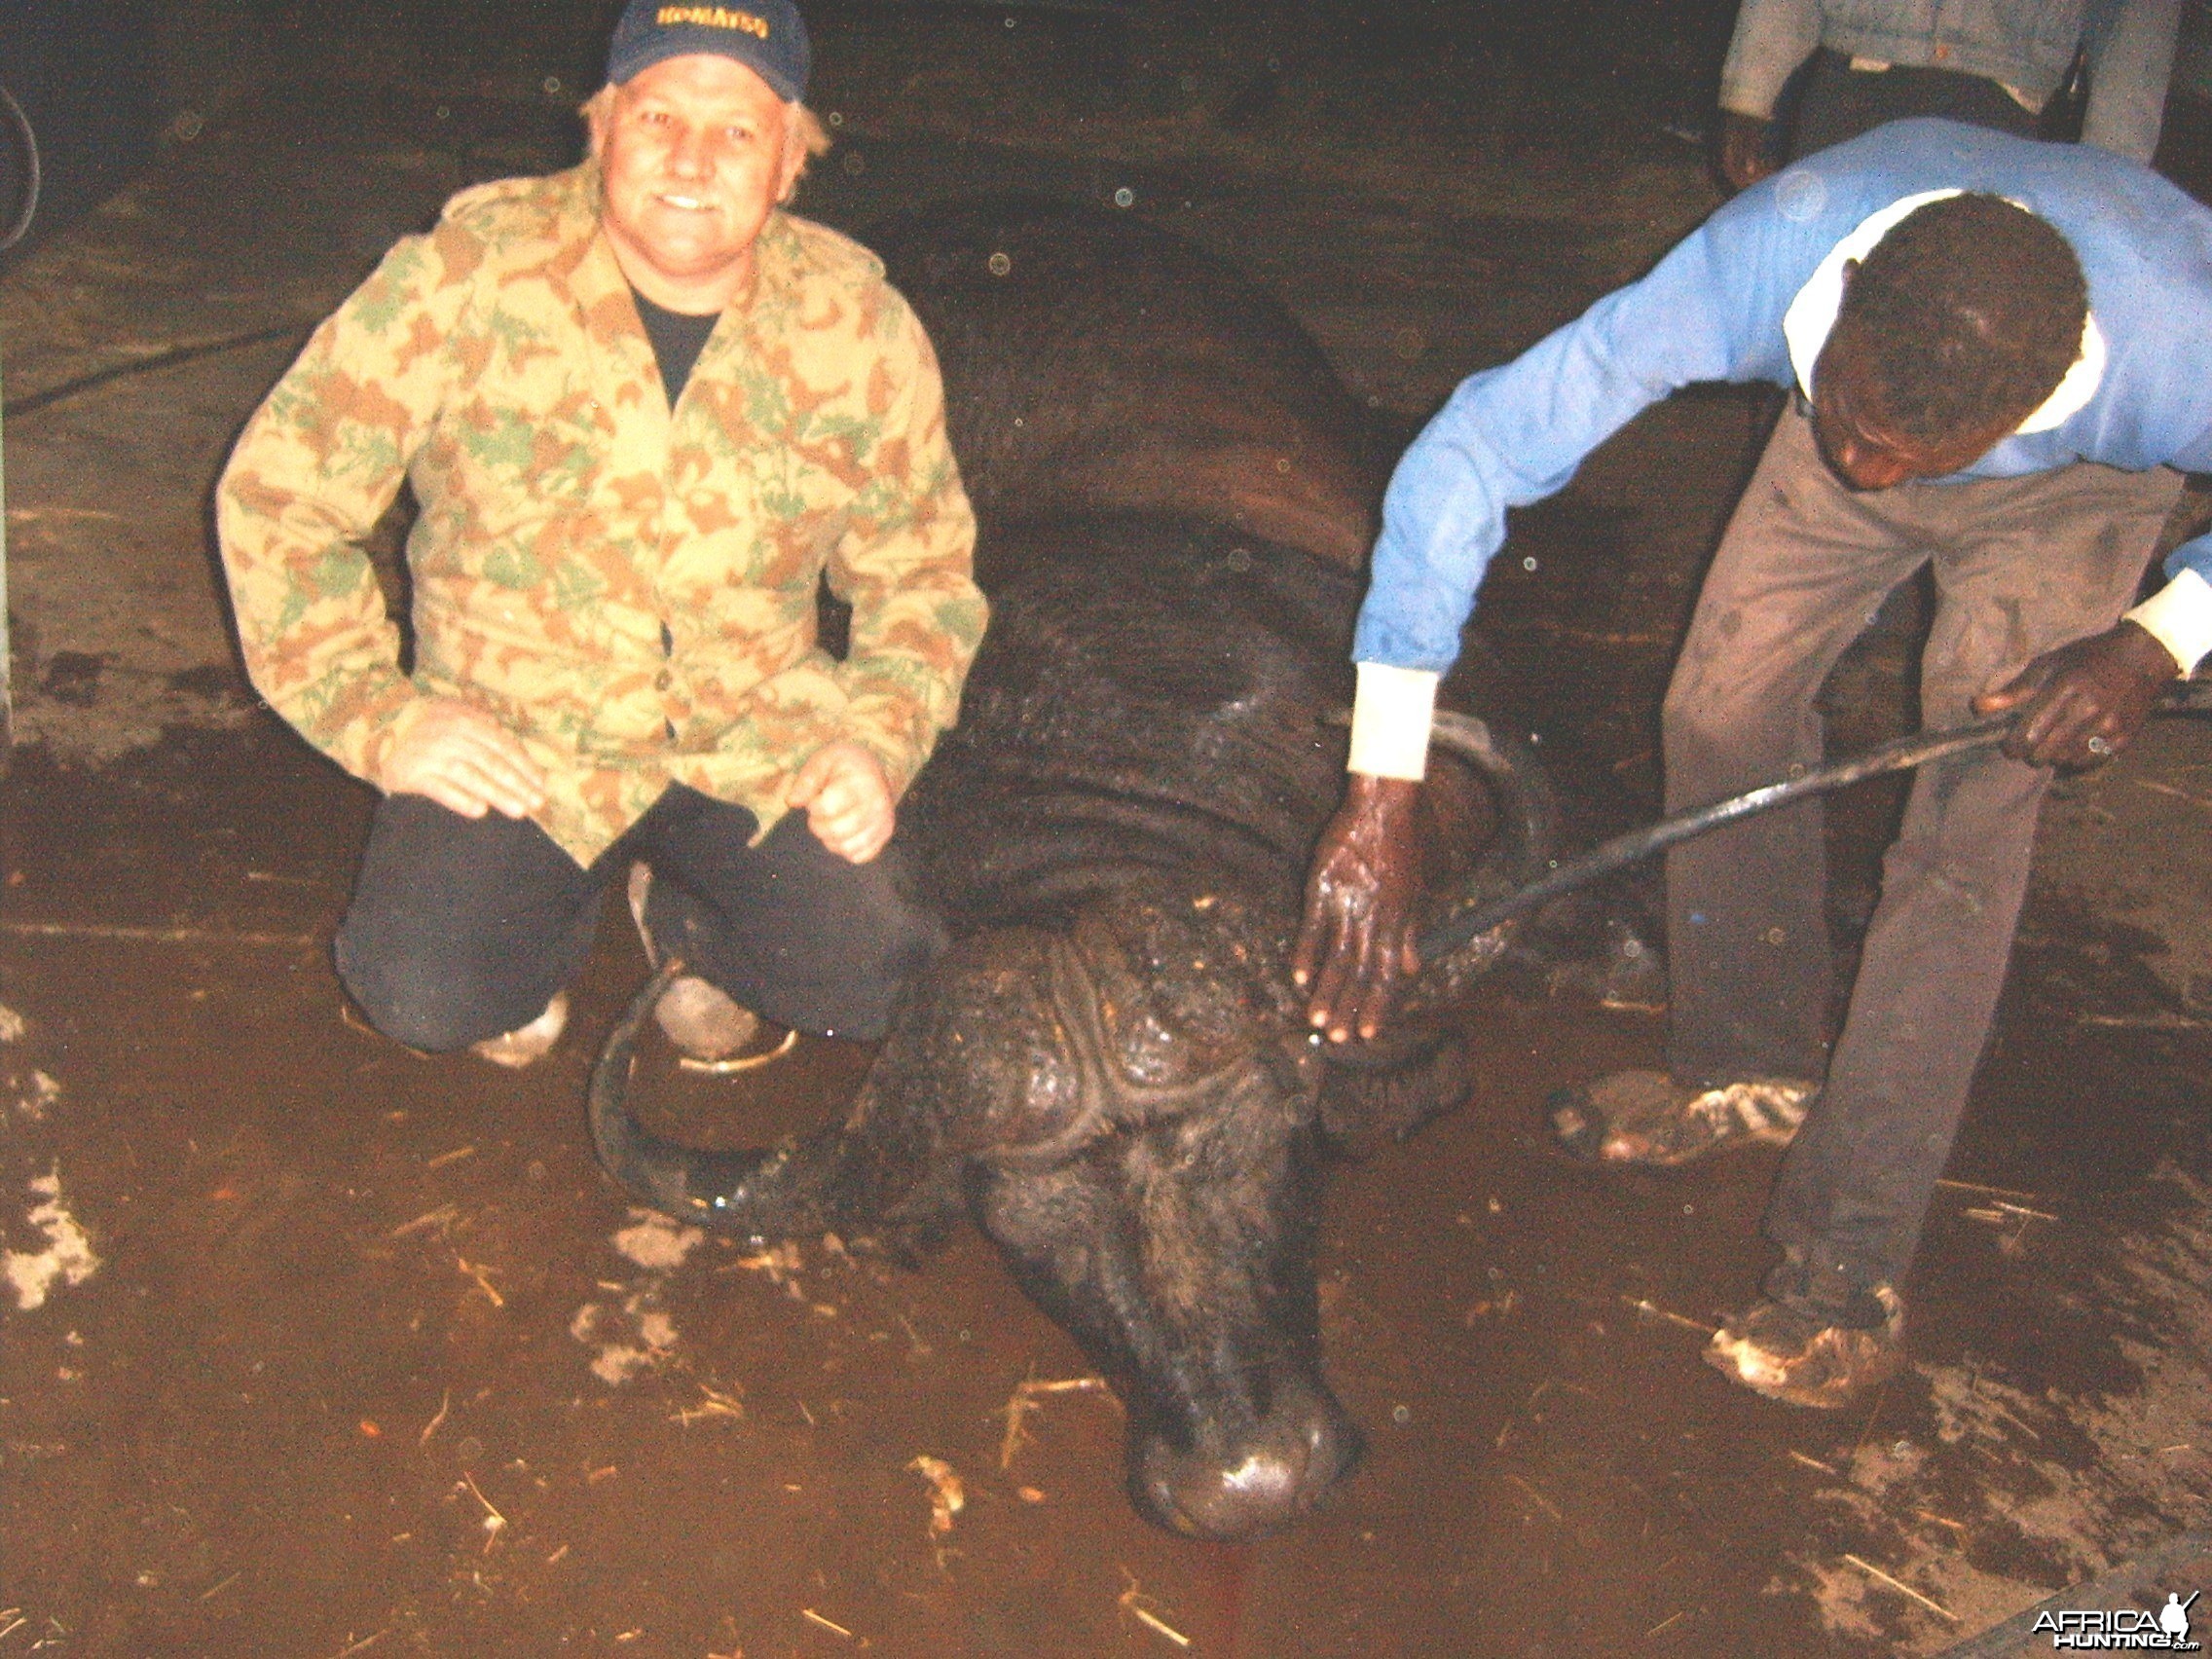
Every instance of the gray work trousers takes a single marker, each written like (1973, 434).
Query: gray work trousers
(2020, 565)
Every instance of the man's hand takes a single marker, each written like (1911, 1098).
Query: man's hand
(2083, 702)
(847, 800)
(464, 760)
(1743, 157)
(1357, 937)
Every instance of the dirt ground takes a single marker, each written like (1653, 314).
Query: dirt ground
(316, 1348)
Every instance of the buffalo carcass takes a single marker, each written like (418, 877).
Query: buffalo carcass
(1109, 1070)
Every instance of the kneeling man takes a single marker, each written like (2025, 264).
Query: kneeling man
(643, 412)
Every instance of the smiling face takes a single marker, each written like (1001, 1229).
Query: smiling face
(693, 151)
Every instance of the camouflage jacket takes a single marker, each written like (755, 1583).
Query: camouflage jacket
(630, 590)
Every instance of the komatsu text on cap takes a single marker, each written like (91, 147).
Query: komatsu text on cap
(766, 36)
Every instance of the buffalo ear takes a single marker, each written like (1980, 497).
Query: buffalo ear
(1386, 1090)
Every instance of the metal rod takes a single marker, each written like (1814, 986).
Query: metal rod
(1608, 857)
(173, 357)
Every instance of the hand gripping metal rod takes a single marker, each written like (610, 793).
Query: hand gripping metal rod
(1905, 753)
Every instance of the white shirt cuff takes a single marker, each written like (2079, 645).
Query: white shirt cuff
(1390, 722)
(2179, 616)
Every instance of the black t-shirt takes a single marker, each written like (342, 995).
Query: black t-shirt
(677, 339)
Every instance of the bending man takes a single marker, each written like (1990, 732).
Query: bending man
(2003, 353)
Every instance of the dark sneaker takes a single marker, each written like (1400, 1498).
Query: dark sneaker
(703, 1020)
(1809, 1354)
(531, 1042)
(1646, 1117)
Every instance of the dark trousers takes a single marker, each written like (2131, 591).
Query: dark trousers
(1839, 102)
(2021, 565)
(462, 929)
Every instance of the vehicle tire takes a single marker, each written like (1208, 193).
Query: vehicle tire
(20, 173)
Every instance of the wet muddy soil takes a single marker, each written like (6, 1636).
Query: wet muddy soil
(312, 1347)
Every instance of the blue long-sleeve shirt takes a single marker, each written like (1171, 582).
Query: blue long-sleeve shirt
(1713, 310)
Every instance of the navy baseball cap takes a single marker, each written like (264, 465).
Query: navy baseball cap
(766, 36)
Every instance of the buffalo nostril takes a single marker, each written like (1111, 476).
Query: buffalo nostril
(1270, 1478)
(1202, 1498)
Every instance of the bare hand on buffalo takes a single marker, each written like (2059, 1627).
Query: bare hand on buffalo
(2083, 702)
(1357, 937)
(464, 759)
(847, 800)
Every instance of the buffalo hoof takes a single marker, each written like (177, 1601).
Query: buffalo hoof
(1266, 1480)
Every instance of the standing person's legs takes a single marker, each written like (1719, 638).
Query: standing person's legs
(2024, 565)
(462, 929)
(786, 927)
(1841, 102)
(1802, 570)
